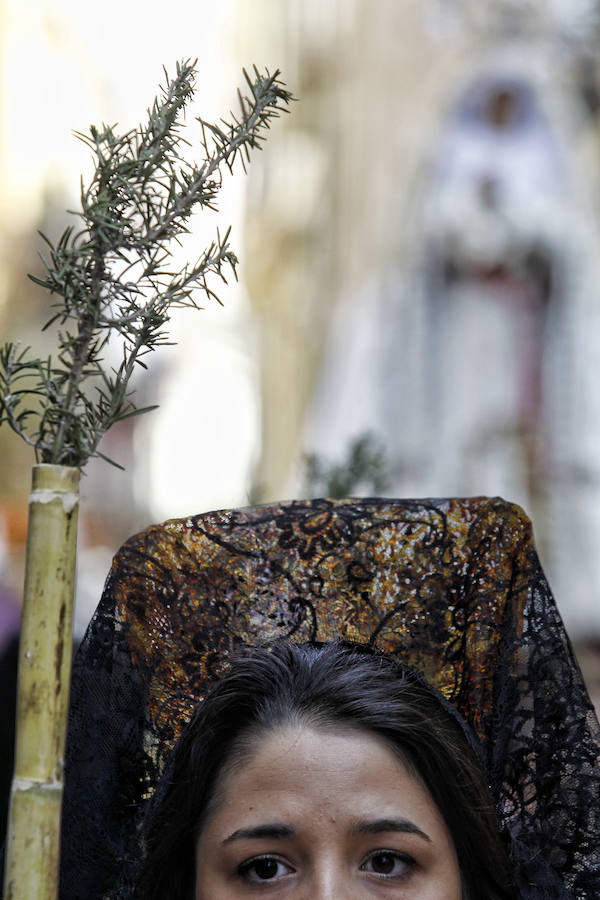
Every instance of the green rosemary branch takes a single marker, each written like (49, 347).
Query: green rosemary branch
(112, 275)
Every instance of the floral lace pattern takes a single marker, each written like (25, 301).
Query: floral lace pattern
(451, 587)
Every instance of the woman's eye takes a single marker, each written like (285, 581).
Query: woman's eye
(388, 864)
(263, 868)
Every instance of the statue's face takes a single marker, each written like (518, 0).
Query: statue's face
(324, 814)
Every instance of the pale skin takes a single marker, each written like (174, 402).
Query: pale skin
(323, 814)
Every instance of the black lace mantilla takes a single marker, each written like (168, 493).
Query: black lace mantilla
(452, 587)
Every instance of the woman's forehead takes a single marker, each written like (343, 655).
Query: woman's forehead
(306, 772)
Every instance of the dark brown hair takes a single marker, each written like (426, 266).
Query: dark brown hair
(327, 685)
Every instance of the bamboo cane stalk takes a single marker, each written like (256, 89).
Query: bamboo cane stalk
(33, 846)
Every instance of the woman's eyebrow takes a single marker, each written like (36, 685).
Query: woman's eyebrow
(276, 830)
(375, 826)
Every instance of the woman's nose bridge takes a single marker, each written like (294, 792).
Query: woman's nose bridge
(331, 879)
